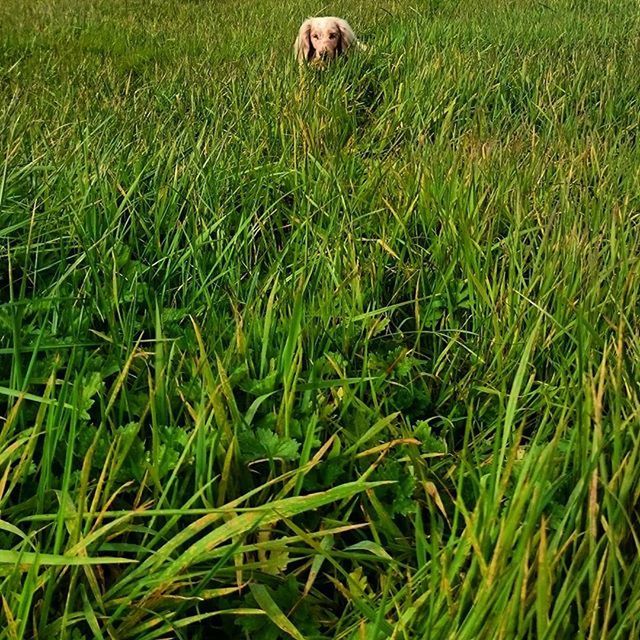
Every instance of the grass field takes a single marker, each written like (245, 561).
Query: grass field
(346, 353)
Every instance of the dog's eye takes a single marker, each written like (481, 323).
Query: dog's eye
(315, 35)
(332, 36)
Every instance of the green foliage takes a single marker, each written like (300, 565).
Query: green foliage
(288, 598)
(348, 352)
(264, 443)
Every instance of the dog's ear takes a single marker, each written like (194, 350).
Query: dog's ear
(347, 37)
(303, 48)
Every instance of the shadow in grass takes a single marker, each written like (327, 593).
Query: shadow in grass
(338, 101)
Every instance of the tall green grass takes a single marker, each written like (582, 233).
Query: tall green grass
(350, 353)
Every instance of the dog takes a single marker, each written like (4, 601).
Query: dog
(324, 38)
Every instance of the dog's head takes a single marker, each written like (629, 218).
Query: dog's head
(323, 39)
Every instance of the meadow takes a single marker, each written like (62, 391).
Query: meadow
(345, 353)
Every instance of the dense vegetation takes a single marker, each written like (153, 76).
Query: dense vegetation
(349, 352)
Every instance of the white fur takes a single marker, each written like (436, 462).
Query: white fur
(323, 38)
